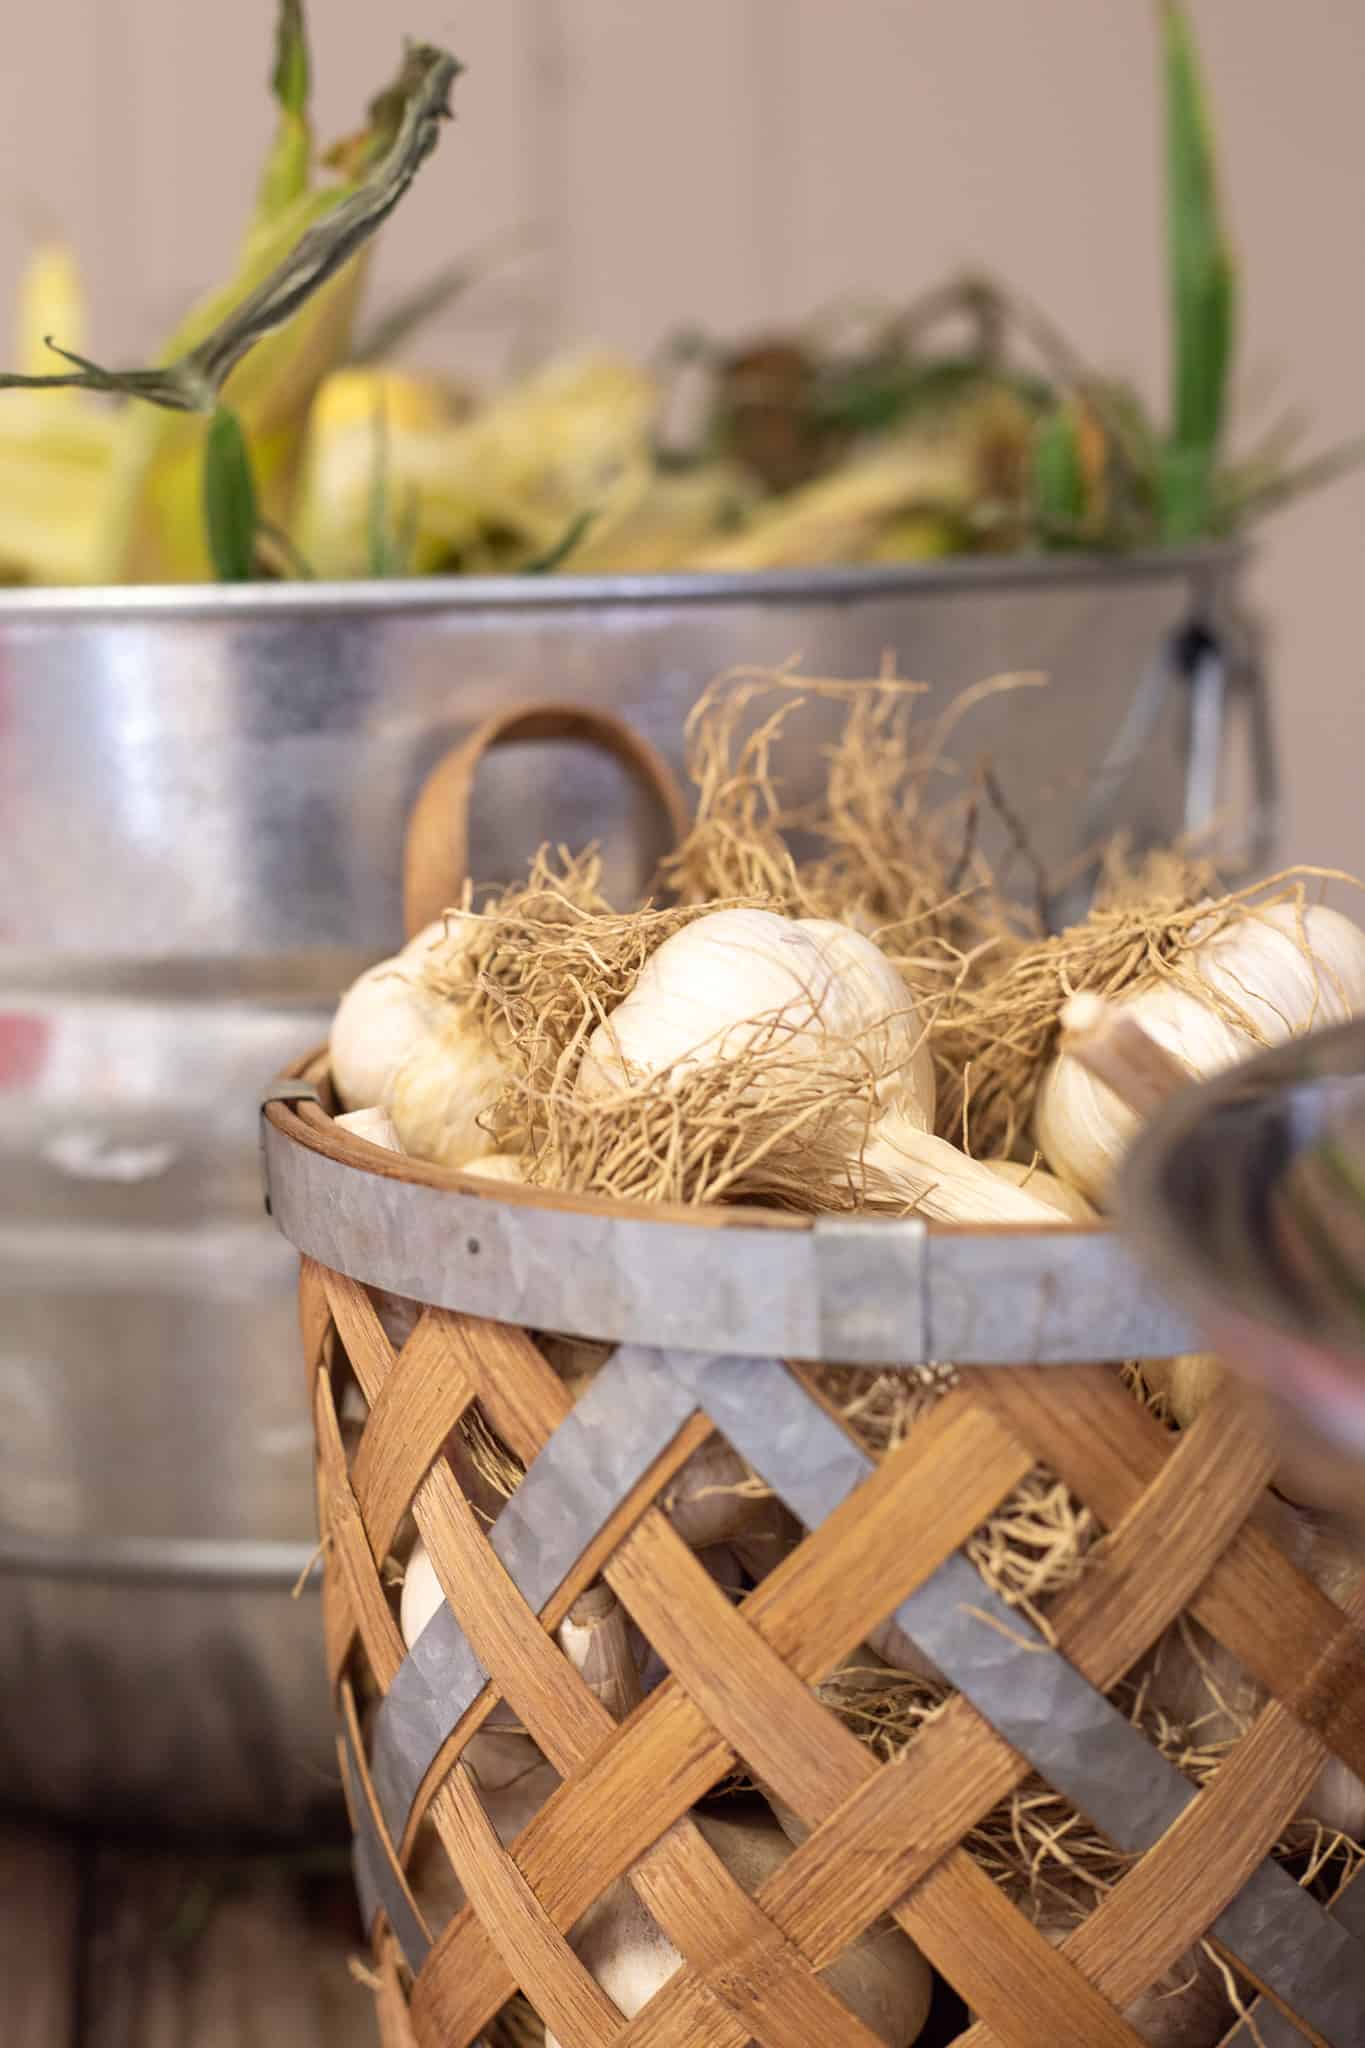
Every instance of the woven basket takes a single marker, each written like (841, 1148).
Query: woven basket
(705, 1308)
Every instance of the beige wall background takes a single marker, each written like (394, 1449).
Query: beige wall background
(734, 161)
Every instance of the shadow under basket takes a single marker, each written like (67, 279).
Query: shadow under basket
(707, 1311)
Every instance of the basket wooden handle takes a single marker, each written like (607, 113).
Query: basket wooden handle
(436, 856)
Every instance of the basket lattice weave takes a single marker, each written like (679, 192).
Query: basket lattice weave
(1181, 1538)
(887, 1837)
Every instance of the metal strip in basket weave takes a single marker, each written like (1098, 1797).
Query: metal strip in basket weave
(1032, 1694)
(885, 1289)
(1265, 2028)
(628, 1415)
(376, 1886)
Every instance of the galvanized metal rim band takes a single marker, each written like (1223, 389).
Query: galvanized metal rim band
(220, 1562)
(565, 591)
(747, 1282)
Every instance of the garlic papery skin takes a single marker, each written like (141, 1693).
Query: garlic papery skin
(739, 981)
(399, 1044)
(1257, 963)
(1044, 1187)
(902, 1163)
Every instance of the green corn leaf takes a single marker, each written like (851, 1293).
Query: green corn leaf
(1058, 475)
(541, 565)
(289, 165)
(1202, 284)
(230, 511)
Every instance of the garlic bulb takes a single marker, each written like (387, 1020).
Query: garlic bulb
(739, 980)
(383, 1017)
(514, 1781)
(421, 1595)
(882, 1978)
(398, 1044)
(1257, 963)
(910, 1165)
(713, 1500)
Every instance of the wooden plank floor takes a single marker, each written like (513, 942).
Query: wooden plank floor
(103, 1945)
(108, 1945)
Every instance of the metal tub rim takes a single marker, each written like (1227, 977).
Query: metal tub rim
(831, 586)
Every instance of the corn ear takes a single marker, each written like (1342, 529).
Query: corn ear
(359, 428)
(55, 446)
(274, 331)
(51, 301)
(496, 491)
(839, 517)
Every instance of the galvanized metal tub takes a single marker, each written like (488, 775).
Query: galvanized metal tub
(204, 794)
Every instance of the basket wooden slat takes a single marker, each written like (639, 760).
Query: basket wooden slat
(1301, 1646)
